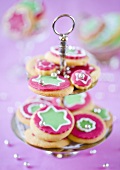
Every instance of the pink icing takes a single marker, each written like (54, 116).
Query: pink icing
(86, 67)
(88, 135)
(16, 22)
(86, 81)
(79, 106)
(48, 87)
(26, 106)
(79, 54)
(45, 65)
(49, 129)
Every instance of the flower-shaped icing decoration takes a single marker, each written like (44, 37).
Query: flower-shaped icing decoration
(86, 124)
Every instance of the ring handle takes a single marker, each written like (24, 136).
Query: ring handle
(69, 31)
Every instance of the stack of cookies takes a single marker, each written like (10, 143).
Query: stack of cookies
(64, 115)
(58, 122)
(46, 79)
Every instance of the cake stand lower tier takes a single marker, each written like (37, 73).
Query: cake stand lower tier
(67, 151)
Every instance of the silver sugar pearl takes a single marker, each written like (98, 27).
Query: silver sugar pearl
(67, 68)
(40, 81)
(66, 76)
(16, 156)
(97, 110)
(58, 71)
(54, 75)
(106, 165)
(27, 164)
(93, 151)
(87, 126)
(42, 105)
(6, 142)
(81, 76)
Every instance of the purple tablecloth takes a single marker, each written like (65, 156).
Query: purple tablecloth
(14, 90)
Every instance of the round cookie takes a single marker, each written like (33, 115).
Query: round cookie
(39, 98)
(52, 123)
(93, 70)
(18, 22)
(81, 79)
(25, 112)
(74, 56)
(104, 114)
(30, 66)
(89, 128)
(78, 102)
(33, 140)
(50, 86)
(44, 67)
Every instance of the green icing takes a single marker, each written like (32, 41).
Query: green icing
(89, 26)
(48, 80)
(86, 124)
(53, 118)
(35, 108)
(70, 50)
(103, 113)
(72, 100)
(32, 5)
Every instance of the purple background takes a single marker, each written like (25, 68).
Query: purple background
(17, 91)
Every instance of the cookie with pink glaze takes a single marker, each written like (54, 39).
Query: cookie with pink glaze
(44, 67)
(75, 56)
(25, 111)
(93, 70)
(89, 128)
(30, 66)
(18, 21)
(78, 102)
(52, 123)
(51, 86)
(81, 79)
(39, 98)
(104, 114)
(33, 140)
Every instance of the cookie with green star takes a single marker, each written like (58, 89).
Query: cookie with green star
(104, 114)
(51, 86)
(78, 102)
(88, 128)
(52, 123)
(75, 56)
(31, 139)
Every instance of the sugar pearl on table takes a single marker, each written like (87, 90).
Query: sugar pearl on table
(93, 151)
(3, 96)
(6, 142)
(27, 164)
(112, 88)
(106, 165)
(16, 156)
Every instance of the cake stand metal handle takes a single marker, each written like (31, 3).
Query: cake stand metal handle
(63, 38)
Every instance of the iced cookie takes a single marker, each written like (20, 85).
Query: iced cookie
(74, 56)
(57, 86)
(78, 102)
(30, 66)
(89, 128)
(31, 139)
(90, 28)
(104, 114)
(93, 70)
(18, 22)
(39, 98)
(25, 112)
(81, 79)
(52, 123)
(44, 67)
